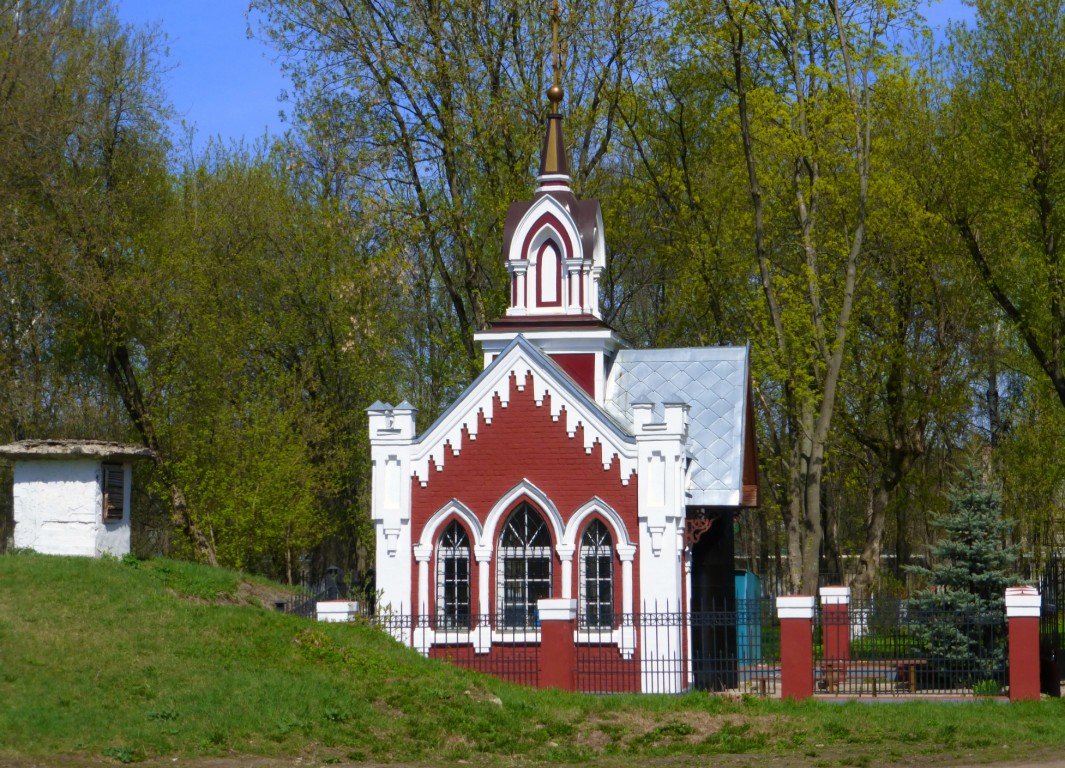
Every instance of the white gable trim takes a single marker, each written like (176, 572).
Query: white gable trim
(459, 510)
(621, 535)
(546, 204)
(520, 359)
(524, 489)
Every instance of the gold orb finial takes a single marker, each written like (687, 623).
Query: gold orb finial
(554, 93)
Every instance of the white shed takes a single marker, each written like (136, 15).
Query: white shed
(71, 497)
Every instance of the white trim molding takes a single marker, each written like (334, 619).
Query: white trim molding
(1023, 602)
(795, 607)
(835, 595)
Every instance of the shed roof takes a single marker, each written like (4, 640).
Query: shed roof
(65, 449)
(713, 382)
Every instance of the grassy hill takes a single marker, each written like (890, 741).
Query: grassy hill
(126, 660)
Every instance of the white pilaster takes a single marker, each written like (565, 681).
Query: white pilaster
(423, 632)
(483, 554)
(627, 641)
(391, 436)
(482, 631)
(521, 268)
(661, 465)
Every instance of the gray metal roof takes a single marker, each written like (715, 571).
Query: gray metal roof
(713, 382)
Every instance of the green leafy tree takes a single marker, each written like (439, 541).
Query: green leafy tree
(86, 181)
(1005, 135)
(440, 106)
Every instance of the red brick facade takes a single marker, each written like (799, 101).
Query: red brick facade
(524, 442)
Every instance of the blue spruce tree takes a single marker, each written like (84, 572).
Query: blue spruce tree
(958, 621)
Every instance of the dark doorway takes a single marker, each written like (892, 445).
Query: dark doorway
(713, 602)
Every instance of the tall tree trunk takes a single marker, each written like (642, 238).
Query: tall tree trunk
(122, 374)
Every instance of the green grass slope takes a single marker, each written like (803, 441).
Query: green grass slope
(122, 661)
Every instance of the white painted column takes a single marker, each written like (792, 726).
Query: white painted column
(423, 632)
(627, 640)
(565, 554)
(482, 632)
(423, 553)
(573, 296)
(520, 299)
(391, 436)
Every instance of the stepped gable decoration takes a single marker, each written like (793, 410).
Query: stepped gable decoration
(575, 482)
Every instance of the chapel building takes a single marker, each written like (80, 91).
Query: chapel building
(573, 468)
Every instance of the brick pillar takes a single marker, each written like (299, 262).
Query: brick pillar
(835, 632)
(558, 653)
(796, 614)
(1022, 612)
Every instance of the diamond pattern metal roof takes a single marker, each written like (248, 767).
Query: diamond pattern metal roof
(713, 382)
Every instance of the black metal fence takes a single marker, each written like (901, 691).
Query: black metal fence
(736, 648)
(330, 587)
(1052, 626)
(895, 646)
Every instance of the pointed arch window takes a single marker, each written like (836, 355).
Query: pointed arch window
(523, 567)
(597, 577)
(453, 578)
(548, 275)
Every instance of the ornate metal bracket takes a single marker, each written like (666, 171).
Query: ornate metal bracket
(694, 528)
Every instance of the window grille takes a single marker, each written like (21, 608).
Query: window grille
(597, 577)
(523, 574)
(453, 578)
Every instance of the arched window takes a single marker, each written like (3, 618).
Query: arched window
(453, 578)
(523, 567)
(548, 275)
(597, 577)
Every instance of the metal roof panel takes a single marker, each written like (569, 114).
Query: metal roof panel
(713, 382)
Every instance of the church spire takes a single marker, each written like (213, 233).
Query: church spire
(554, 167)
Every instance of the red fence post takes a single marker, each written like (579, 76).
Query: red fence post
(796, 614)
(836, 634)
(558, 653)
(1022, 612)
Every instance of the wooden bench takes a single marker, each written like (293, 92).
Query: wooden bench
(906, 672)
(832, 674)
(872, 673)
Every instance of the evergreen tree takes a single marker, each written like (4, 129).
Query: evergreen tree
(958, 621)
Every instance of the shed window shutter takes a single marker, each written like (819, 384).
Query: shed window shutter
(114, 491)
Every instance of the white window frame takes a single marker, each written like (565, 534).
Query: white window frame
(599, 549)
(527, 553)
(453, 546)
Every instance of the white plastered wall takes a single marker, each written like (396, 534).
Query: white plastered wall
(58, 507)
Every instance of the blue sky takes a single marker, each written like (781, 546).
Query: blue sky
(227, 84)
(218, 80)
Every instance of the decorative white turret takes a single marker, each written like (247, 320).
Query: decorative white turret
(555, 250)
(554, 247)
